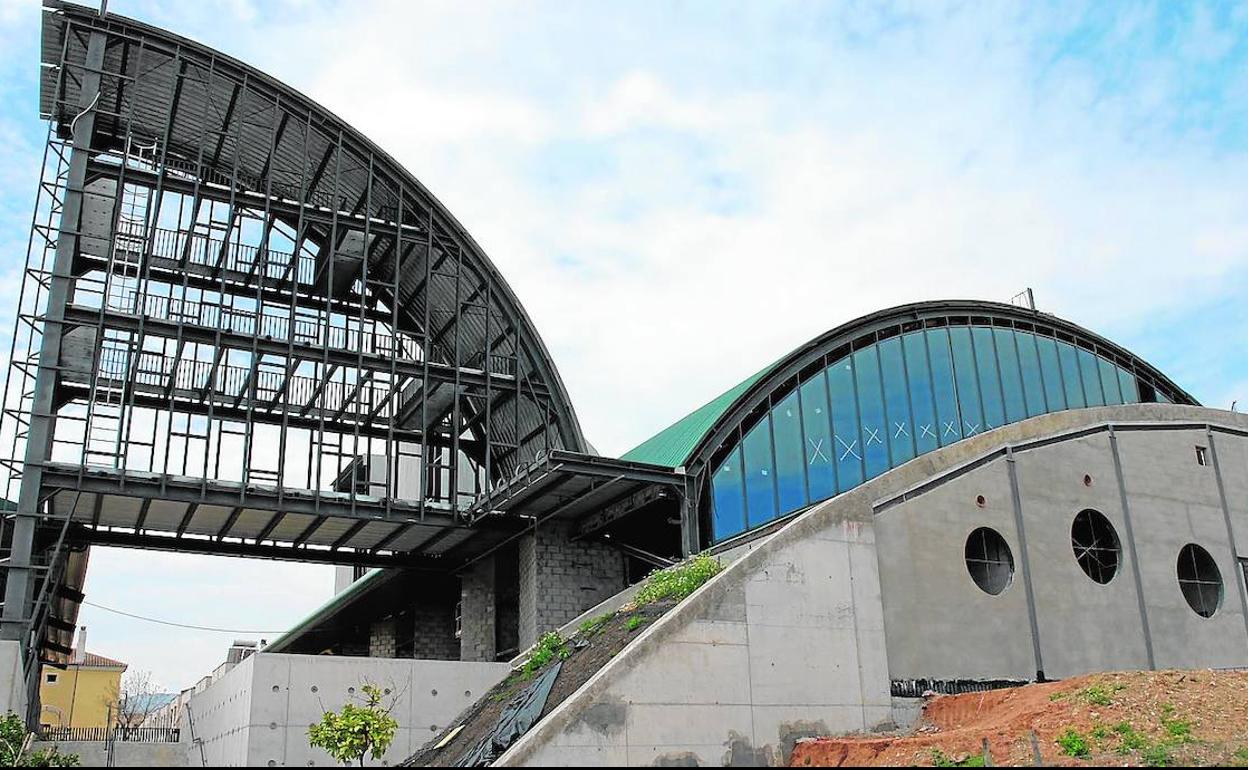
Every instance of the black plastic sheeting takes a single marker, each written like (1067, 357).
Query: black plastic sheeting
(518, 717)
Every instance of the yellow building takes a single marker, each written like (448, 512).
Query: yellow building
(83, 694)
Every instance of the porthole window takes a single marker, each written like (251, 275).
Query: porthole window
(1200, 580)
(989, 560)
(1096, 545)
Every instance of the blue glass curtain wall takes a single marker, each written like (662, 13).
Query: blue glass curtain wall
(888, 402)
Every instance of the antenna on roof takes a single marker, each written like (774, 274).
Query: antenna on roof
(1025, 298)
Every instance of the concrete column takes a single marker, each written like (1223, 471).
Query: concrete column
(477, 613)
(561, 578)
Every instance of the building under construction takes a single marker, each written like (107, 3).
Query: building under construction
(245, 330)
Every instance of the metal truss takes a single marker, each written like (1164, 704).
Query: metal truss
(244, 329)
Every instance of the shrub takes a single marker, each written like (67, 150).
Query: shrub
(13, 736)
(634, 623)
(1073, 744)
(679, 580)
(356, 731)
(549, 647)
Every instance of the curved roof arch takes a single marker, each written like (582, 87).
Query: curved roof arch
(232, 128)
(694, 439)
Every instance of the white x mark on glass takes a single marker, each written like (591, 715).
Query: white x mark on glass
(873, 436)
(971, 430)
(951, 429)
(849, 449)
(901, 430)
(816, 451)
(927, 431)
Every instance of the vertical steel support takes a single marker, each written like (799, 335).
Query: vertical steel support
(690, 537)
(15, 621)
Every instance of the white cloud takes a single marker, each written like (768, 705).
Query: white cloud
(679, 200)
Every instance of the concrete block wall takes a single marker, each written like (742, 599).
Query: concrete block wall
(560, 578)
(477, 612)
(258, 714)
(433, 626)
(381, 641)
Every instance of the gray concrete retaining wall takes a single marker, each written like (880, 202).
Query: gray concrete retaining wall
(125, 753)
(258, 714)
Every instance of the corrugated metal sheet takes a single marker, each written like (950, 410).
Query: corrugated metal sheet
(671, 446)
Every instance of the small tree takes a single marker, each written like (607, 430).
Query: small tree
(357, 731)
(136, 700)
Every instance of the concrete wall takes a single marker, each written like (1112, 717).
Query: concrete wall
(1053, 618)
(803, 631)
(786, 643)
(125, 753)
(12, 679)
(258, 714)
(561, 578)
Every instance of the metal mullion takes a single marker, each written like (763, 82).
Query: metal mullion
(225, 303)
(362, 378)
(173, 374)
(392, 456)
(426, 475)
(144, 266)
(118, 201)
(455, 394)
(331, 242)
(489, 390)
(262, 256)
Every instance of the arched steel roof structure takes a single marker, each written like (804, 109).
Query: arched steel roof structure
(242, 135)
(245, 329)
(700, 441)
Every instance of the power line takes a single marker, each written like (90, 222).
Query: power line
(179, 625)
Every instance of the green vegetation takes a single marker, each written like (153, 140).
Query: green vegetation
(634, 622)
(13, 737)
(1240, 757)
(679, 580)
(1129, 738)
(594, 625)
(1097, 695)
(1073, 744)
(939, 759)
(357, 731)
(549, 647)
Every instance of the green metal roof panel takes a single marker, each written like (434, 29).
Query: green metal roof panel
(327, 610)
(672, 445)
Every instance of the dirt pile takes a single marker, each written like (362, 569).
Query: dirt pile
(1138, 718)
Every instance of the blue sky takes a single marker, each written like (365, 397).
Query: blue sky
(743, 176)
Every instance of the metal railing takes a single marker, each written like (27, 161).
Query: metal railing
(116, 733)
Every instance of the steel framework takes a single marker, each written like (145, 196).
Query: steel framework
(244, 329)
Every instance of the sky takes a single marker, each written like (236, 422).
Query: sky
(681, 192)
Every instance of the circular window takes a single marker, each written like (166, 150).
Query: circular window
(989, 560)
(1200, 580)
(1096, 545)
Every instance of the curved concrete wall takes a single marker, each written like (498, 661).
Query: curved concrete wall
(802, 634)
